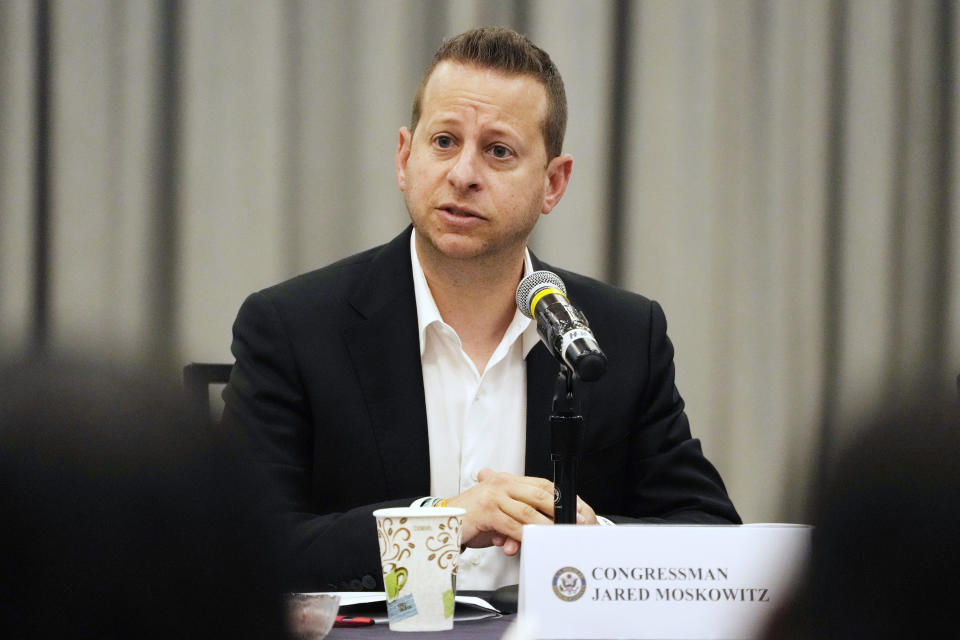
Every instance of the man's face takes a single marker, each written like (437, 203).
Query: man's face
(474, 173)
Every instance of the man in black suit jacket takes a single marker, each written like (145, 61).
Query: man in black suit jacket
(328, 383)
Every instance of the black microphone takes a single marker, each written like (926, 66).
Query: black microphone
(562, 327)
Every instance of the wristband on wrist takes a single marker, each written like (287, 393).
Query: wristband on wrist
(432, 501)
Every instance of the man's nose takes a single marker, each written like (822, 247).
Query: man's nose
(464, 175)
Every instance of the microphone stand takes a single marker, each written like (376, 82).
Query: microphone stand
(566, 446)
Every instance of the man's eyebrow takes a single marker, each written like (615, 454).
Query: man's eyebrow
(444, 119)
(502, 130)
(497, 128)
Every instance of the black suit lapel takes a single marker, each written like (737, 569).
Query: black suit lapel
(385, 349)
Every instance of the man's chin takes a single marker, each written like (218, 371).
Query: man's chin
(473, 248)
(457, 246)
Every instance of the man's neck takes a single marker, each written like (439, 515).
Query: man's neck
(475, 297)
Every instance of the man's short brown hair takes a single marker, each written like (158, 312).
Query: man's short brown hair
(506, 50)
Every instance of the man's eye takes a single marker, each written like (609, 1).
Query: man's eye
(500, 151)
(444, 142)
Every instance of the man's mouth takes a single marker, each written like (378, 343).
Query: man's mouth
(460, 212)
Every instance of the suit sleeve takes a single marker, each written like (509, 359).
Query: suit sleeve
(671, 481)
(265, 402)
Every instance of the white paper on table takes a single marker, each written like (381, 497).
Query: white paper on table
(373, 604)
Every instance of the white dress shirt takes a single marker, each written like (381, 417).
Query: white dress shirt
(473, 420)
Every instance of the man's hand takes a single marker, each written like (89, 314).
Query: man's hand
(585, 513)
(499, 506)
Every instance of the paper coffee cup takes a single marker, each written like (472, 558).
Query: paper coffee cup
(419, 553)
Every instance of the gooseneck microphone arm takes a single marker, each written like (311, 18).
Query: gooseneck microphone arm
(566, 447)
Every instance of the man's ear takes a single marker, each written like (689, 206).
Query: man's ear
(403, 154)
(558, 176)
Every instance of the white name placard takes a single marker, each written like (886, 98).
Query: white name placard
(657, 581)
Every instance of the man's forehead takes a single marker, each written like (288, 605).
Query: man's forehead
(513, 90)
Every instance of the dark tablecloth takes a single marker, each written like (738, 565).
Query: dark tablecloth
(490, 628)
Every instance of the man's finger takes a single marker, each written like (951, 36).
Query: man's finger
(536, 492)
(511, 547)
(585, 513)
(485, 474)
(533, 495)
(523, 512)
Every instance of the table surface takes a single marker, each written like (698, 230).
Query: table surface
(492, 628)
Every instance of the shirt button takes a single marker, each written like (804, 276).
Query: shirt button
(474, 476)
(475, 561)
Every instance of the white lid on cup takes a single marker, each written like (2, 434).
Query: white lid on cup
(418, 512)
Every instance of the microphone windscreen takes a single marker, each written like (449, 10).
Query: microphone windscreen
(533, 283)
(591, 366)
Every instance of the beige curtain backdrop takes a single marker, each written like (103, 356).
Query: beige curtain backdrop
(778, 174)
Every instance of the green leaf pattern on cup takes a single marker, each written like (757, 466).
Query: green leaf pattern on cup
(393, 582)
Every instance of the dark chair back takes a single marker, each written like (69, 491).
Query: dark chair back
(199, 377)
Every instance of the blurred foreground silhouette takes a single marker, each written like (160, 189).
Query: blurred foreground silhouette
(885, 561)
(126, 514)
